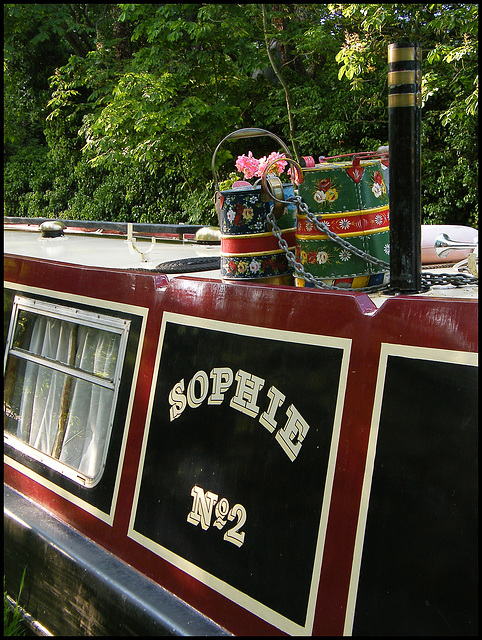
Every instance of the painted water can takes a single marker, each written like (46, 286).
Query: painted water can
(249, 249)
(351, 198)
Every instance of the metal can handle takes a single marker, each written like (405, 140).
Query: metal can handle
(245, 133)
(266, 182)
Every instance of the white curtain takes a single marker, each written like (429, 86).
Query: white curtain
(88, 405)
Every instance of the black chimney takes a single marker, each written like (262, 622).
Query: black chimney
(404, 105)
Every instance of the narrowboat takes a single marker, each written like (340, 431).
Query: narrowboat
(192, 452)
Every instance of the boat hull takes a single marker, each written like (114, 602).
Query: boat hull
(290, 461)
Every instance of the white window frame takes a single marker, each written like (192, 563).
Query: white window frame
(81, 317)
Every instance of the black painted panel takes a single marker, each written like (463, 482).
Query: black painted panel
(231, 454)
(419, 565)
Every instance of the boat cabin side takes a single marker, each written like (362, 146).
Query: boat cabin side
(244, 458)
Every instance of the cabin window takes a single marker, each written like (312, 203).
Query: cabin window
(62, 374)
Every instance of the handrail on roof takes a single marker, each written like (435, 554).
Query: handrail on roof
(138, 227)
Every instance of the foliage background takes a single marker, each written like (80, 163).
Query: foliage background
(113, 111)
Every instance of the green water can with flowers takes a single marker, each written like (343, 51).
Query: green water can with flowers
(249, 249)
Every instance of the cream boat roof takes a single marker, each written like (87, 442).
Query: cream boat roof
(115, 251)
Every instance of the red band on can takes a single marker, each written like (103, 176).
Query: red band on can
(255, 243)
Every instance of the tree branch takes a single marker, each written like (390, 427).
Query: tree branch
(283, 84)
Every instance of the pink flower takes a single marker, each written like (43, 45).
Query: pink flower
(276, 168)
(295, 176)
(248, 165)
(251, 167)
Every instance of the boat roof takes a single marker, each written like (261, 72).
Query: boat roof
(107, 245)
